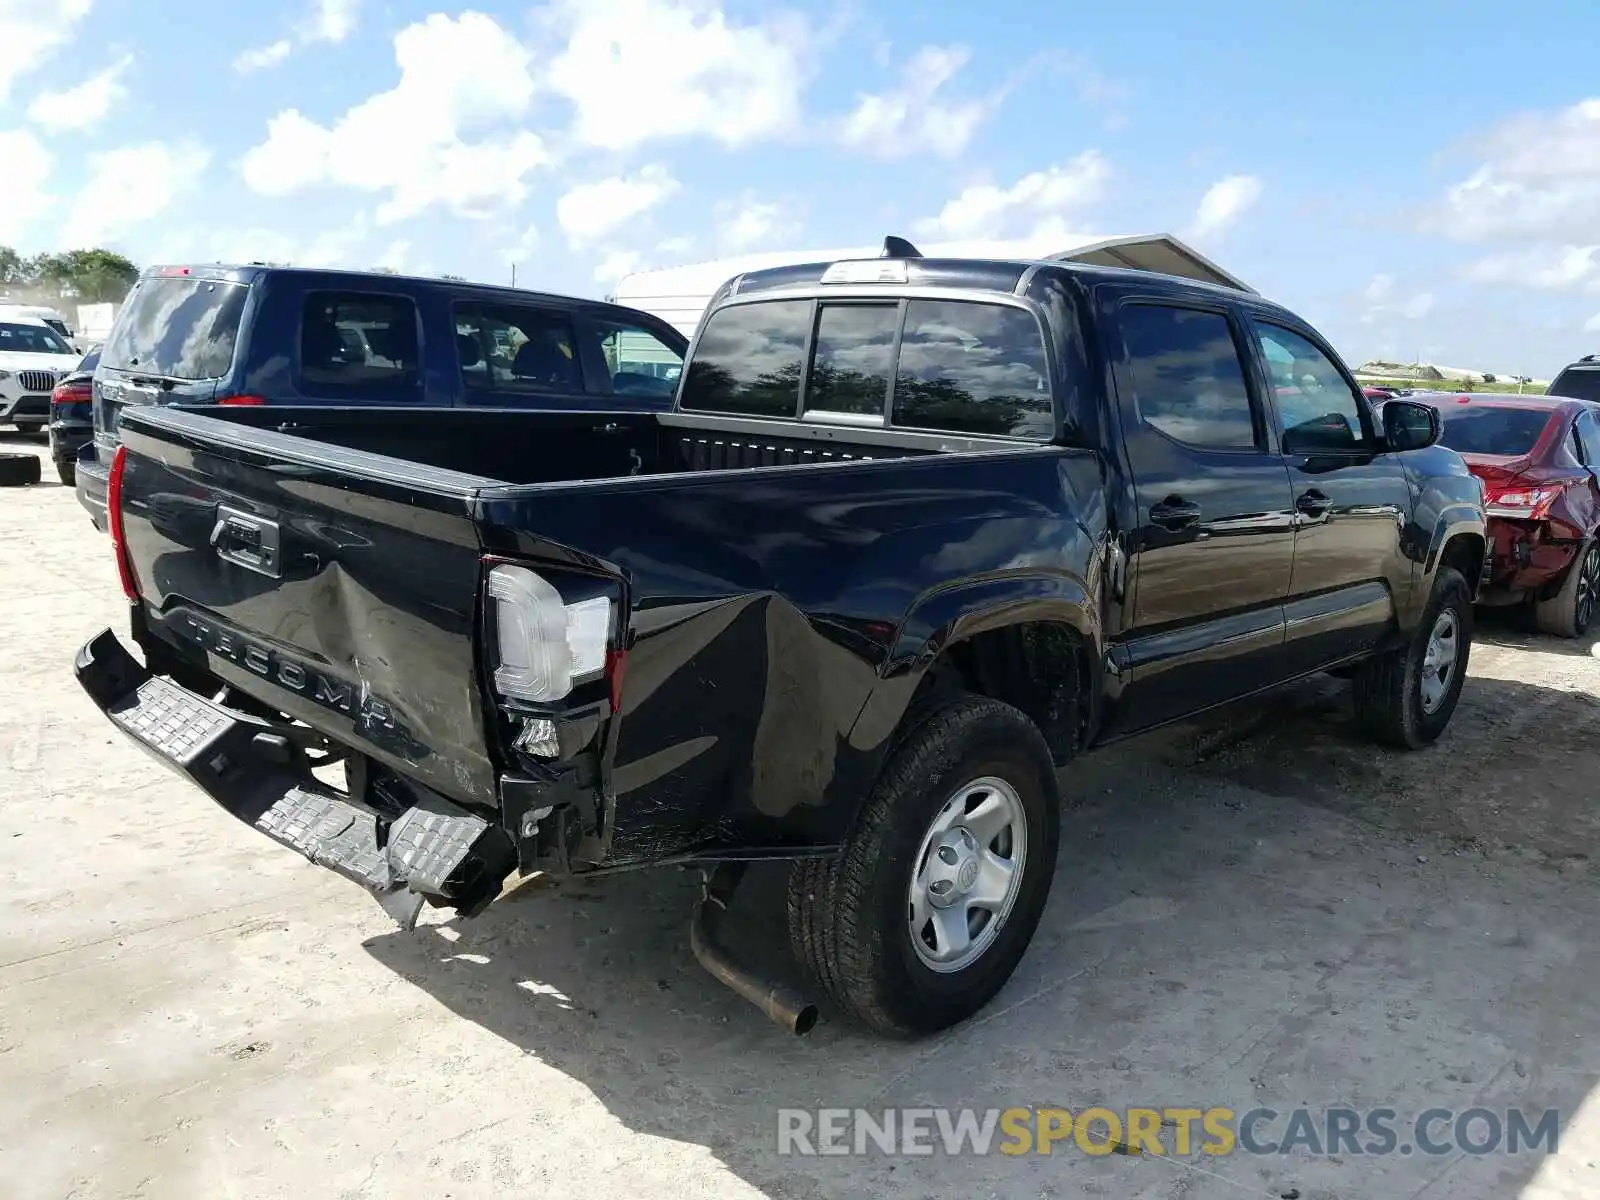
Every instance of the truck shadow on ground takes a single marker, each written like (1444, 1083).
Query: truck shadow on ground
(1211, 940)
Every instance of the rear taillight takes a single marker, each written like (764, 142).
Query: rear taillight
(119, 541)
(1522, 501)
(70, 393)
(543, 644)
(237, 400)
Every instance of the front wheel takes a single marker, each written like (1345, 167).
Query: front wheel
(1568, 613)
(932, 904)
(1405, 698)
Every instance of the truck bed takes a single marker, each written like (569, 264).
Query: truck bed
(521, 447)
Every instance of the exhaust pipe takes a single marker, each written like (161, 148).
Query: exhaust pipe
(782, 1004)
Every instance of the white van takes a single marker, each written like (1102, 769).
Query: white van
(39, 312)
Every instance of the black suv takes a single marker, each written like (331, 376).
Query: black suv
(257, 335)
(1580, 381)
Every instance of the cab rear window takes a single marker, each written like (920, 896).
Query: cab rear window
(955, 366)
(178, 328)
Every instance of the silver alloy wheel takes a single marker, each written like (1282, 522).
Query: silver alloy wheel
(967, 874)
(1439, 663)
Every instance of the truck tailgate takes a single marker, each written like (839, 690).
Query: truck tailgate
(337, 586)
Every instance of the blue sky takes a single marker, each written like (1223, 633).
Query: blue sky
(1419, 179)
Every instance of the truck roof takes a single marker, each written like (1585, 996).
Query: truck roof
(970, 274)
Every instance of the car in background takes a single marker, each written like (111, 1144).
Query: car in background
(1538, 458)
(318, 343)
(1581, 380)
(33, 357)
(72, 416)
(39, 312)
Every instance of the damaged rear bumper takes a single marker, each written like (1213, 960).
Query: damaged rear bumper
(430, 851)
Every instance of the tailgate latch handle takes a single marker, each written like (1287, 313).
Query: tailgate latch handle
(252, 542)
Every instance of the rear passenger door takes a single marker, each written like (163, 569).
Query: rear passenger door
(1352, 502)
(1212, 543)
(522, 356)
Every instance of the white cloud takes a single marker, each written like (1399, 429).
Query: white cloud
(749, 224)
(591, 211)
(1224, 203)
(912, 119)
(332, 20)
(457, 78)
(1592, 325)
(1042, 199)
(31, 31)
(676, 247)
(328, 21)
(1539, 181)
(27, 165)
(82, 106)
(1382, 303)
(617, 264)
(107, 207)
(1554, 269)
(263, 57)
(639, 70)
(520, 247)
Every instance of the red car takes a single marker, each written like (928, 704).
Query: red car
(1538, 457)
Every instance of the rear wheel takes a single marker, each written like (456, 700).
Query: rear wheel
(941, 884)
(1569, 612)
(68, 473)
(1405, 698)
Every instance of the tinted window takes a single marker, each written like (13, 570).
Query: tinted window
(1577, 383)
(1187, 376)
(31, 339)
(512, 348)
(970, 367)
(748, 359)
(641, 364)
(1588, 433)
(178, 328)
(1318, 407)
(1576, 443)
(850, 366)
(354, 340)
(90, 361)
(1491, 430)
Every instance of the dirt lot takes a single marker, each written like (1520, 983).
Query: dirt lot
(1256, 911)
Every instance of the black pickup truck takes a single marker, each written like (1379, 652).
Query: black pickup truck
(914, 534)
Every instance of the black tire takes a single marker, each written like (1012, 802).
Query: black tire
(1569, 612)
(848, 917)
(18, 470)
(68, 473)
(30, 428)
(1389, 701)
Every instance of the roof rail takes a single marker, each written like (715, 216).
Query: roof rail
(1590, 358)
(898, 247)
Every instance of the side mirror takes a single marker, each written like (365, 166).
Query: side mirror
(1408, 425)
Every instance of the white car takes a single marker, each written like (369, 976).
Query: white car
(33, 357)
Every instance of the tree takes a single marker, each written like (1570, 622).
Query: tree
(87, 276)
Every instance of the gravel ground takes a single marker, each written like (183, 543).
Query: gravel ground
(1255, 910)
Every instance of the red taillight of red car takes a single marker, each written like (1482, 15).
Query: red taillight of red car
(71, 393)
(119, 541)
(1529, 502)
(242, 400)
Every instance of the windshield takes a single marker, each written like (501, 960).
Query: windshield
(1510, 431)
(1578, 384)
(31, 339)
(178, 328)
